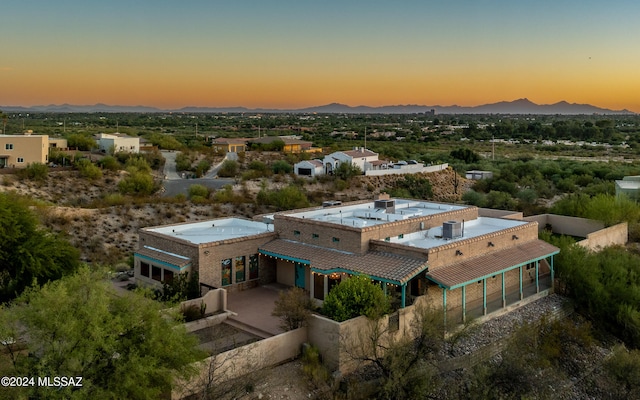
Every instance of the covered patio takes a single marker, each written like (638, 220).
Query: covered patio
(317, 269)
(485, 284)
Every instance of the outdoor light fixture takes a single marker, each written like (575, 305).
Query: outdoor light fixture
(334, 275)
(458, 253)
(491, 244)
(514, 237)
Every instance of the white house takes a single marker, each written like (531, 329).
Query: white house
(359, 156)
(309, 168)
(118, 142)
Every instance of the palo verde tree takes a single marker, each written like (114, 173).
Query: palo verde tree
(28, 253)
(123, 346)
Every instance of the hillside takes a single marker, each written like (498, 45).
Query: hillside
(106, 231)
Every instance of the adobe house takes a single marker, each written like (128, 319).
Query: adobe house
(471, 265)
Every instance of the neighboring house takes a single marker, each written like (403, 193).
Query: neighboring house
(477, 175)
(629, 186)
(118, 142)
(291, 145)
(309, 168)
(58, 143)
(470, 265)
(230, 145)
(359, 156)
(18, 151)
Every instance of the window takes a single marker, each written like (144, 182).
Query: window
(253, 266)
(240, 269)
(144, 269)
(156, 273)
(335, 240)
(20, 159)
(400, 236)
(168, 276)
(226, 272)
(315, 235)
(387, 239)
(296, 233)
(8, 146)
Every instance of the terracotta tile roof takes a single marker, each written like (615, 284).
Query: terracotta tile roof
(390, 267)
(163, 256)
(473, 269)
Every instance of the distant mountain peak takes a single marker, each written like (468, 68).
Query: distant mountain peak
(521, 106)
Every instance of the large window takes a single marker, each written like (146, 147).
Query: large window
(240, 262)
(8, 146)
(144, 269)
(20, 159)
(226, 272)
(168, 276)
(156, 273)
(253, 266)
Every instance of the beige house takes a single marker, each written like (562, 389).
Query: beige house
(18, 151)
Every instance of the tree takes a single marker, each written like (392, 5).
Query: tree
(229, 169)
(123, 346)
(29, 254)
(346, 171)
(356, 296)
(293, 307)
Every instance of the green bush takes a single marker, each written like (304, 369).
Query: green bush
(35, 172)
(356, 296)
(286, 198)
(229, 169)
(281, 167)
(199, 191)
(137, 183)
(110, 163)
(88, 170)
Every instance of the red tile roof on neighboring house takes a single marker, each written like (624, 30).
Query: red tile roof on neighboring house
(389, 267)
(470, 270)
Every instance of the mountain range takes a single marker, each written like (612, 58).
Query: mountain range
(520, 106)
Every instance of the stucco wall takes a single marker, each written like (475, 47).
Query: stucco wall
(242, 360)
(406, 170)
(493, 213)
(564, 225)
(613, 235)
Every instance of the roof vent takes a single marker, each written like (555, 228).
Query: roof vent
(388, 206)
(451, 229)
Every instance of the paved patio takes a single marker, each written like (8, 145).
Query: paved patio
(254, 307)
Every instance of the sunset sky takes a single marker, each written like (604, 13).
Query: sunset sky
(292, 54)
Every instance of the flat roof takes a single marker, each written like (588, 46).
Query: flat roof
(214, 230)
(365, 214)
(432, 237)
(628, 184)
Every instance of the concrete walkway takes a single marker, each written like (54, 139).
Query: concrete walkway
(254, 307)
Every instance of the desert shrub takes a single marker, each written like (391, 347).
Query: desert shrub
(313, 367)
(198, 191)
(183, 162)
(139, 163)
(137, 183)
(114, 199)
(229, 169)
(293, 307)
(191, 313)
(35, 172)
(202, 167)
(88, 170)
(110, 163)
(287, 198)
(281, 167)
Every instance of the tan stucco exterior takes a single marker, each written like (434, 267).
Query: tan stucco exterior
(18, 151)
